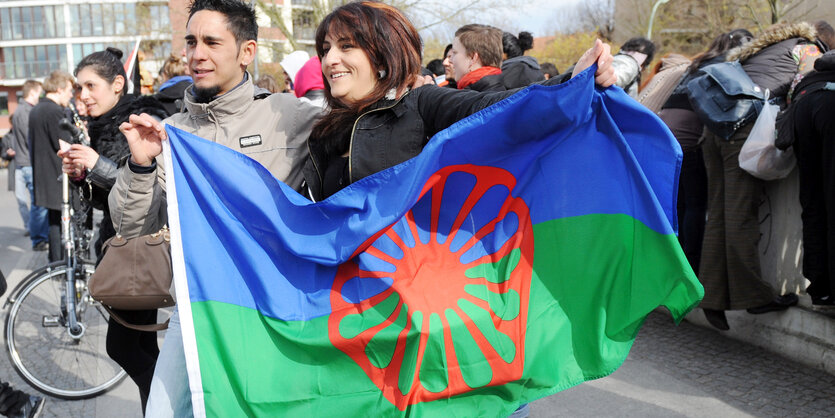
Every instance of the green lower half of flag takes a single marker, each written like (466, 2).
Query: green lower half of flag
(595, 278)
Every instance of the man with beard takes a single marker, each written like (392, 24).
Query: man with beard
(224, 106)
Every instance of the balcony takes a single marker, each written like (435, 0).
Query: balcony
(10, 70)
(30, 30)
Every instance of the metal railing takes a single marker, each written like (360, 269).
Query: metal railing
(31, 30)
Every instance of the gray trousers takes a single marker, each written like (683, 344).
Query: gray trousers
(730, 264)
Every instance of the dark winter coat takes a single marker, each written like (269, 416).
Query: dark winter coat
(43, 140)
(20, 132)
(768, 59)
(107, 140)
(488, 83)
(521, 71)
(171, 97)
(788, 132)
(393, 131)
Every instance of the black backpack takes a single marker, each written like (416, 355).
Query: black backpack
(785, 119)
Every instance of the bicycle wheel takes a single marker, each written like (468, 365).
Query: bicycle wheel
(39, 344)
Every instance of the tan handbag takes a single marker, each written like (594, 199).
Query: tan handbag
(134, 274)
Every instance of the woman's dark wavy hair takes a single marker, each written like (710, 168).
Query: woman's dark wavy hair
(720, 45)
(391, 43)
(106, 64)
(514, 46)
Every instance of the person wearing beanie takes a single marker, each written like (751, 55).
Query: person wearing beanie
(309, 83)
(291, 65)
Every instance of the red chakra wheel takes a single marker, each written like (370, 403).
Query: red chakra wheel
(436, 304)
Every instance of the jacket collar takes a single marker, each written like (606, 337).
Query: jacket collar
(476, 75)
(231, 103)
(772, 36)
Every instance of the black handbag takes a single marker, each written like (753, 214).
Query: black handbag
(725, 98)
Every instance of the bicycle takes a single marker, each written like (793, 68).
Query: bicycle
(55, 332)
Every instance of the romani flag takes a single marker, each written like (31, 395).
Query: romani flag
(516, 256)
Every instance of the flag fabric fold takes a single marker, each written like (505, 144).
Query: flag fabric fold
(516, 256)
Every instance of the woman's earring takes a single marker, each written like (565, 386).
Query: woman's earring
(382, 74)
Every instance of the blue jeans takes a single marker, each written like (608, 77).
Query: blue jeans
(170, 395)
(34, 216)
(523, 411)
(22, 195)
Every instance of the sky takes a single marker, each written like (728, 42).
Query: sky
(540, 17)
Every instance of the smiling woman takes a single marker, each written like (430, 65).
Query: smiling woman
(370, 55)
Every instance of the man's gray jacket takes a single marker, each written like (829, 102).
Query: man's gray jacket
(272, 130)
(20, 133)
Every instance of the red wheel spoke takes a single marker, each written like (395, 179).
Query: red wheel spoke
(366, 335)
(397, 239)
(437, 195)
(474, 197)
(376, 252)
(424, 338)
(488, 228)
(456, 377)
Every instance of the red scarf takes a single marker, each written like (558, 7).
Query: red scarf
(476, 75)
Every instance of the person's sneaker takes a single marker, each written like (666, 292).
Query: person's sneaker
(41, 246)
(779, 303)
(32, 408)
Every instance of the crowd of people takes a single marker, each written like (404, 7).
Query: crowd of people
(364, 103)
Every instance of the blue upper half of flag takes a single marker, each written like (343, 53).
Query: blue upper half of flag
(573, 149)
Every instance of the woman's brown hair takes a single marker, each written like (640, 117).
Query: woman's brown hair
(392, 45)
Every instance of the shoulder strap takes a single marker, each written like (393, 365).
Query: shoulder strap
(149, 328)
(811, 88)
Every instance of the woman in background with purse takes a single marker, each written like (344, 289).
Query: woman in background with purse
(684, 122)
(102, 80)
(730, 264)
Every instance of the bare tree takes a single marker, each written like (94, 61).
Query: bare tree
(598, 15)
(768, 12)
(426, 15)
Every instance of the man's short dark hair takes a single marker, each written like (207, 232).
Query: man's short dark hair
(826, 34)
(549, 68)
(240, 17)
(436, 66)
(642, 45)
(446, 51)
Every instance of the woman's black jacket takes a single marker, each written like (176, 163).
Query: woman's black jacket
(393, 131)
(112, 146)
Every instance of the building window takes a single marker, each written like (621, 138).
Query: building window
(304, 24)
(4, 103)
(34, 61)
(37, 22)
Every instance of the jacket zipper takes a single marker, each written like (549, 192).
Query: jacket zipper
(354, 130)
(315, 166)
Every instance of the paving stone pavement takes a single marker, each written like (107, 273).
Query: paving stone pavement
(16, 261)
(688, 370)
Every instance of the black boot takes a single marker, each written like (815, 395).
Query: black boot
(780, 303)
(717, 319)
